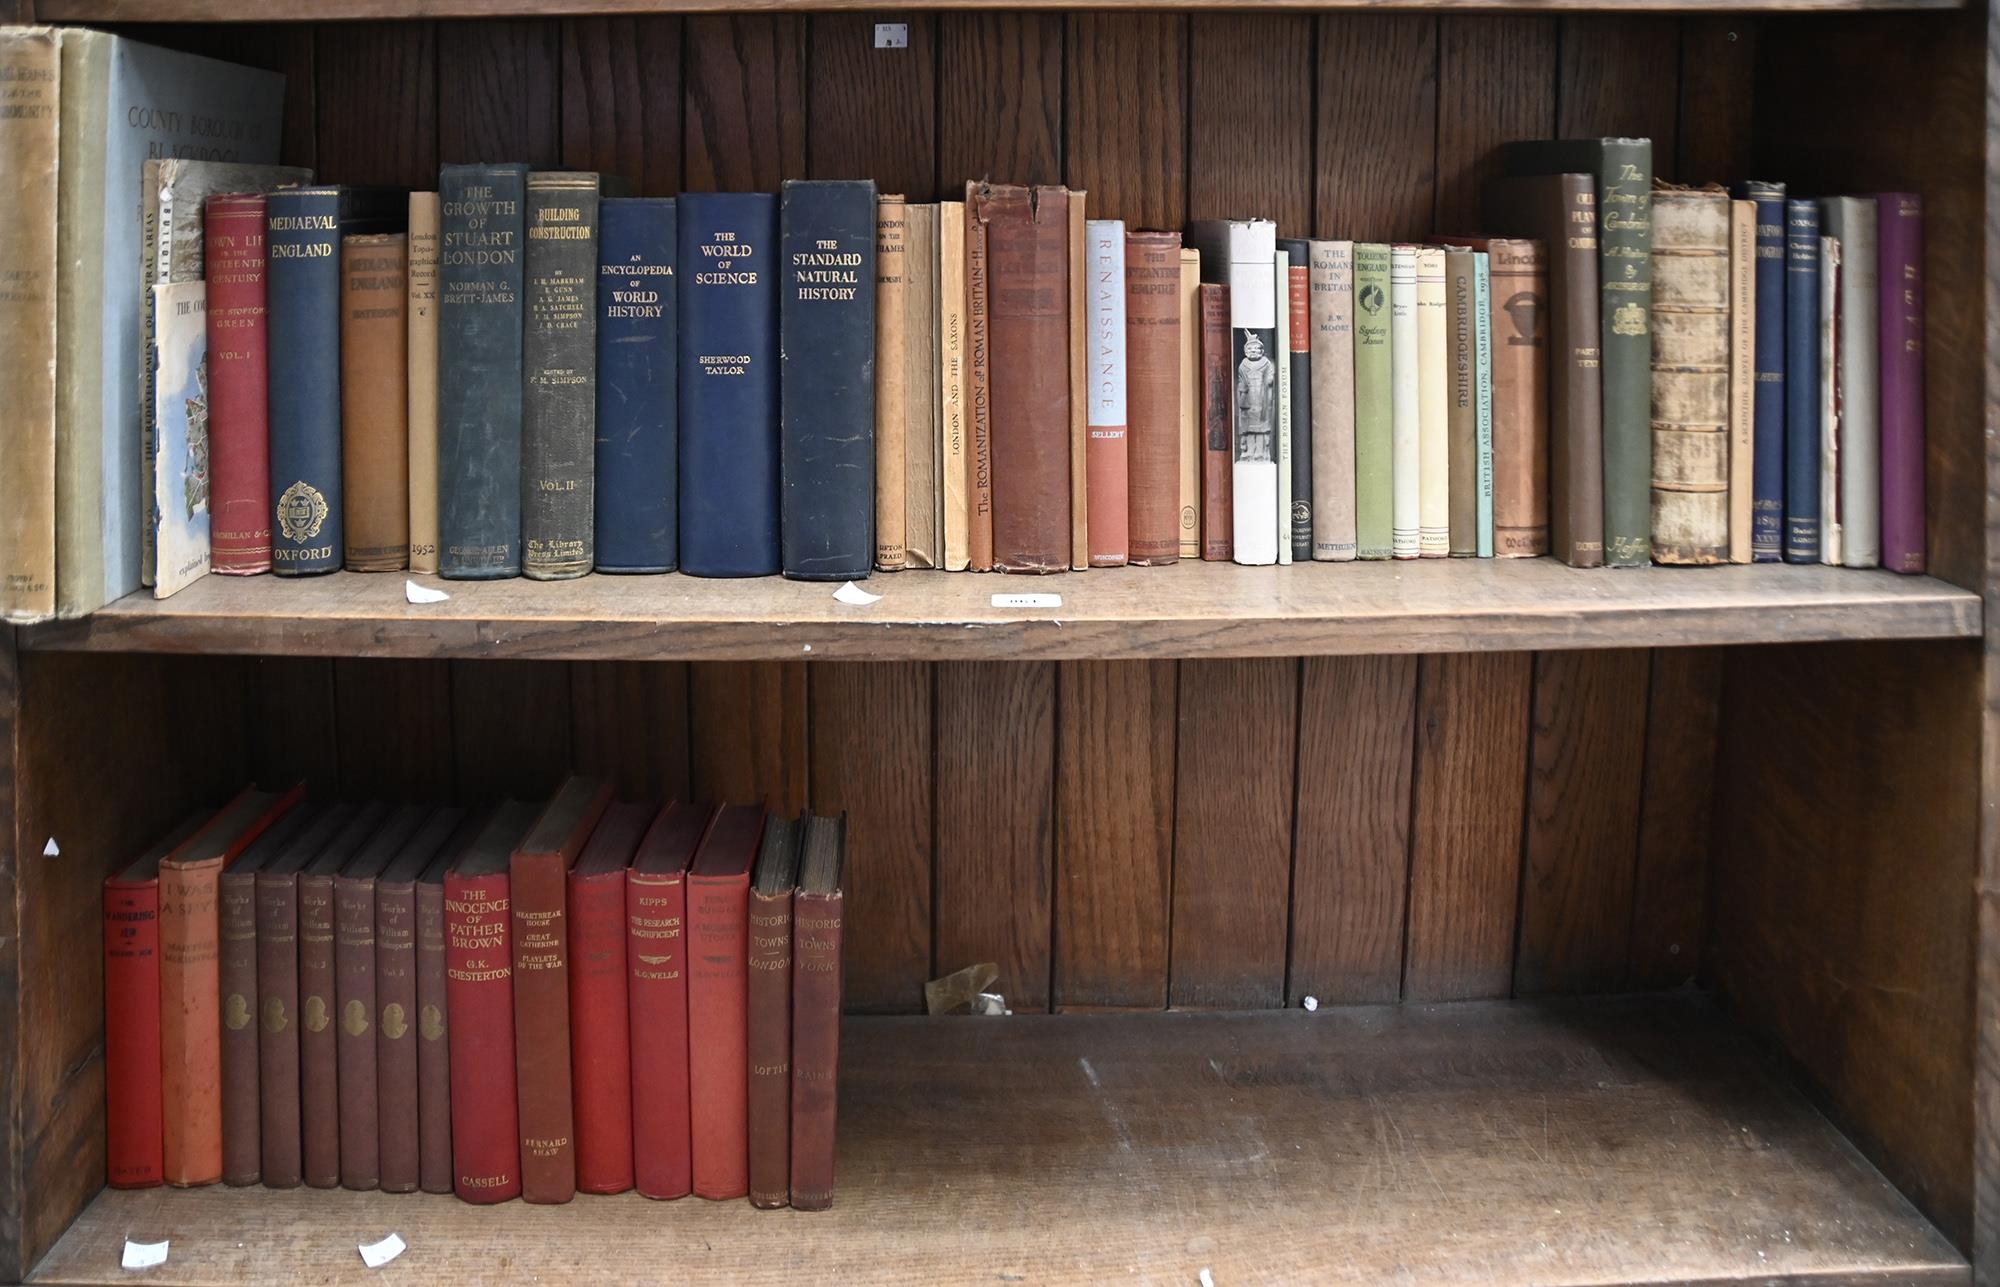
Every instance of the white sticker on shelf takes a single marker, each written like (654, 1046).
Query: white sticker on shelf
(144, 1255)
(422, 593)
(52, 849)
(892, 35)
(377, 1254)
(1027, 601)
(854, 594)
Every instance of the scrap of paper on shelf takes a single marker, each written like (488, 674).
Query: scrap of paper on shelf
(144, 1255)
(854, 594)
(377, 1254)
(422, 593)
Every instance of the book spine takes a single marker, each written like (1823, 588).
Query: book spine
(1281, 348)
(421, 307)
(1899, 239)
(281, 1163)
(1106, 457)
(1406, 401)
(1217, 525)
(1576, 407)
(978, 397)
(892, 384)
(1461, 406)
(770, 1041)
(1520, 326)
(1153, 394)
(1767, 524)
(1690, 377)
(374, 369)
(559, 377)
(537, 883)
(1079, 384)
(601, 1053)
(1255, 359)
(133, 1123)
(1830, 463)
(242, 1147)
(190, 1026)
(954, 533)
(637, 460)
(729, 385)
(1189, 443)
(1860, 387)
(1482, 386)
(1028, 258)
(178, 470)
(97, 502)
(30, 144)
(1624, 221)
(355, 1068)
(398, 1123)
(815, 1046)
(1742, 374)
(1374, 402)
(655, 919)
(302, 330)
(827, 388)
(1299, 348)
(718, 1063)
(319, 1093)
(1330, 272)
(433, 1044)
(239, 494)
(1802, 437)
(1434, 376)
(152, 272)
(923, 401)
(479, 992)
(480, 285)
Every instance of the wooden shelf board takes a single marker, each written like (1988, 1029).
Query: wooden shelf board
(1610, 1141)
(300, 10)
(1189, 610)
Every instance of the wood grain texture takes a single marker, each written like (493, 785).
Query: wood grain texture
(1618, 76)
(1357, 1146)
(1586, 761)
(510, 730)
(1465, 845)
(1376, 143)
(1717, 96)
(293, 728)
(745, 102)
(394, 724)
(299, 10)
(873, 111)
(872, 758)
(377, 87)
(996, 744)
(1496, 83)
(1234, 785)
(1985, 1241)
(1250, 118)
(747, 734)
(1670, 885)
(1351, 837)
(629, 722)
(1114, 849)
(497, 92)
(621, 100)
(1125, 116)
(1000, 108)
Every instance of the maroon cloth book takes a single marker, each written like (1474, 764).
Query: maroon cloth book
(396, 1027)
(599, 1009)
(1900, 290)
(718, 1008)
(816, 974)
(242, 1143)
(770, 998)
(434, 1017)
(355, 989)
(319, 1063)
(656, 956)
(238, 431)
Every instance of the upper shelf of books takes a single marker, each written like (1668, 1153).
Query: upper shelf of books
(316, 10)
(1192, 609)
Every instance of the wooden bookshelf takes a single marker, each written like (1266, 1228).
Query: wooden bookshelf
(1188, 610)
(1622, 1141)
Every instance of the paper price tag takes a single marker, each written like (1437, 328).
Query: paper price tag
(1027, 601)
(377, 1254)
(144, 1255)
(422, 593)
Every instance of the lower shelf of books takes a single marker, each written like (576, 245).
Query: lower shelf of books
(1600, 1141)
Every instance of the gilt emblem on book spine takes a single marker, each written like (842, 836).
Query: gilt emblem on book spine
(301, 510)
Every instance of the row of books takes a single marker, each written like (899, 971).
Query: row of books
(519, 1001)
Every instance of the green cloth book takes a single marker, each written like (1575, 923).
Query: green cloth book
(1373, 503)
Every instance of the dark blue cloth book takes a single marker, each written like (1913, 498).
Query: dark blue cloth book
(1767, 483)
(480, 264)
(1802, 435)
(638, 473)
(729, 383)
(826, 304)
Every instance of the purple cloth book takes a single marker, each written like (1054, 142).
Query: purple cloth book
(1900, 248)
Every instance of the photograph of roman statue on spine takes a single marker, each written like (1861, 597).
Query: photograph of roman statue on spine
(1256, 395)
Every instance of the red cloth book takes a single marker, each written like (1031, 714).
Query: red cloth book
(479, 994)
(319, 1006)
(656, 956)
(600, 1046)
(132, 1104)
(238, 428)
(356, 989)
(396, 1025)
(718, 1007)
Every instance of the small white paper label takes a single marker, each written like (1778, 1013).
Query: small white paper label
(144, 1255)
(892, 35)
(52, 849)
(1027, 601)
(377, 1254)
(422, 593)
(854, 594)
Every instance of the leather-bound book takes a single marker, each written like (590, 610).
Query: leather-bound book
(1767, 505)
(1107, 459)
(1153, 395)
(481, 263)
(1330, 279)
(278, 1017)
(954, 531)
(319, 999)
(236, 976)
(729, 383)
(190, 982)
(355, 995)
(718, 1016)
(1899, 239)
(1690, 376)
(239, 444)
(826, 321)
(1518, 314)
(769, 1106)
(600, 1032)
(1218, 531)
(1555, 209)
(923, 500)
(1027, 253)
(978, 396)
(638, 387)
(397, 1026)
(539, 886)
(479, 991)
(1802, 392)
(1189, 445)
(434, 1174)
(892, 384)
(1299, 355)
(132, 1102)
(816, 975)
(1461, 405)
(1374, 419)
(375, 406)
(656, 956)
(1854, 220)
(559, 377)
(421, 306)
